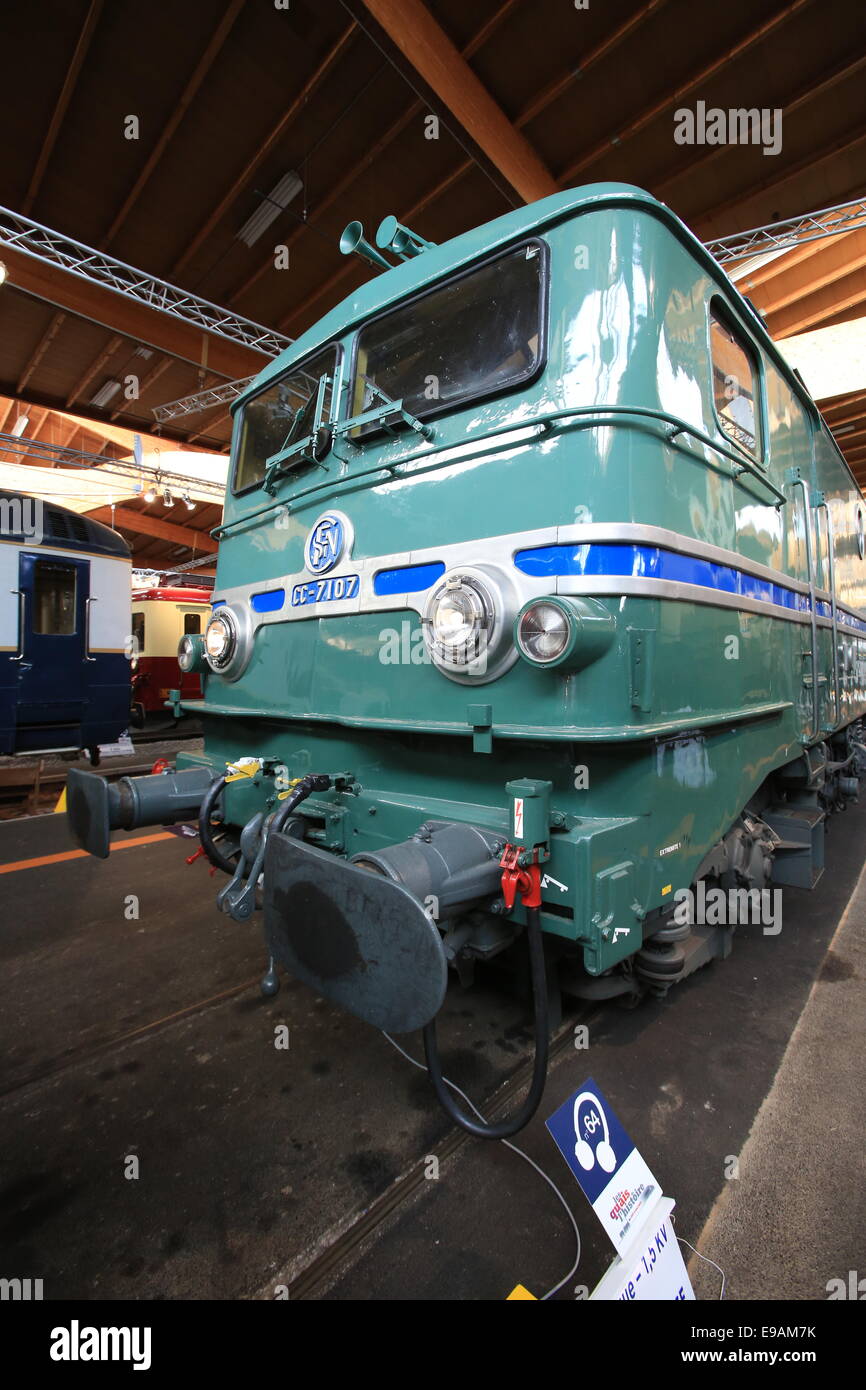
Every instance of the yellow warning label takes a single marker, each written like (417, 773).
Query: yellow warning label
(519, 1292)
(61, 802)
(667, 888)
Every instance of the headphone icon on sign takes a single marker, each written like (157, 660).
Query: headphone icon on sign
(599, 1151)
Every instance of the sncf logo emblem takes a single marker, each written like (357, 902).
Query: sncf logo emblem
(328, 541)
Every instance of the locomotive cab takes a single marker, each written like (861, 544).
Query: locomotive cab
(539, 601)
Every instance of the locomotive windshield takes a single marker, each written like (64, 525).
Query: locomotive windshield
(281, 415)
(475, 335)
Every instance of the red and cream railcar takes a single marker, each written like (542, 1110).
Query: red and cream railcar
(160, 617)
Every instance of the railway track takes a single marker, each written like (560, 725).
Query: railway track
(98, 1048)
(321, 1272)
(29, 787)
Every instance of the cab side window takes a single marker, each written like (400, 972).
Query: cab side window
(735, 385)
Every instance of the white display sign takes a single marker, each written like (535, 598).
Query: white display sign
(603, 1158)
(653, 1268)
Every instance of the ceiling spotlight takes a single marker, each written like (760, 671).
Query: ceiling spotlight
(3, 272)
(189, 503)
(167, 499)
(21, 424)
(150, 495)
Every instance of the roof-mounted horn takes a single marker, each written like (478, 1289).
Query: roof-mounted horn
(393, 236)
(352, 241)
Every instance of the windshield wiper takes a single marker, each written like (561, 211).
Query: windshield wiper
(308, 440)
(387, 414)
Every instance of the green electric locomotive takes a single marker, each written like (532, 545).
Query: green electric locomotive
(540, 600)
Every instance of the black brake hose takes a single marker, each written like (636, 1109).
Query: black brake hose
(504, 1128)
(313, 782)
(205, 834)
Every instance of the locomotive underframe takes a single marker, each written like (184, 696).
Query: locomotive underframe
(609, 884)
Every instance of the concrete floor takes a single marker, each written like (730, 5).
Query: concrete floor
(147, 1037)
(792, 1222)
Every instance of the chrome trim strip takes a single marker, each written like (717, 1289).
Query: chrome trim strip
(631, 587)
(502, 549)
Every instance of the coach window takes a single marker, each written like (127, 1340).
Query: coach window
(53, 599)
(191, 624)
(138, 632)
(735, 385)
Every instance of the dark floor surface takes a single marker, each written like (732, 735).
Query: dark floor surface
(251, 1159)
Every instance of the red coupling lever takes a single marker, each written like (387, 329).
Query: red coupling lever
(519, 878)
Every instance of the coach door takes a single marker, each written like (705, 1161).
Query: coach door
(53, 619)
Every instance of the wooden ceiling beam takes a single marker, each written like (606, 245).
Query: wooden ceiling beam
(338, 188)
(853, 409)
(137, 321)
(202, 68)
(852, 438)
(539, 103)
(201, 71)
(40, 350)
(97, 365)
(856, 414)
(143, 524)
(423, 52)
(145, 385)
(812, 310)
(529, 112)
(69, 429)
(671, 99)
(71, 78)
(707, 225)
(37, 420)
(241, 183)
(809, 92)
(838, 256)
(210, 419)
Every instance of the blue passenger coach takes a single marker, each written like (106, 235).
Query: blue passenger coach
(65, 597)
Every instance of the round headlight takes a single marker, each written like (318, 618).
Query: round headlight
(467, 623)
(191, 653)
(459, 618)
(543, 632)
(565, 632)
(228, 640)
(220, 641)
